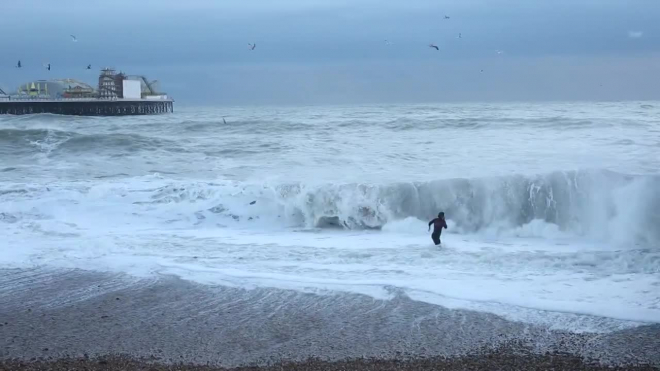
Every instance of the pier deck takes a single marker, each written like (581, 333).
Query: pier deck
(87, 107)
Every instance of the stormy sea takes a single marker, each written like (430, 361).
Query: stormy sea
(256, 235)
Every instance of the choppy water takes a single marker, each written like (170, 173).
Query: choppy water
(553, 209)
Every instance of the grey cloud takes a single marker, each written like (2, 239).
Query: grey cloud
(331, 51)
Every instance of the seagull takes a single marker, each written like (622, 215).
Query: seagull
(446, 17)
(482, 71)
(74, 39)
(89, 66)
(252, 46)
(459, 36)
(499, 52)
(223, 120)
(433, 46)
(47, 65)
(387, 42)
(19, 65)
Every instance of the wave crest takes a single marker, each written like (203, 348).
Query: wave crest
(602, 205)
(599, 204)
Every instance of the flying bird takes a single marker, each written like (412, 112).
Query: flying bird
(459, 36)
(252, 46)
(74, 39)
(89, 66)
(19, 65)
(47, 65)
(447, 17)
(434, 46)
(387, 42)
(499, 52)
(224, 121)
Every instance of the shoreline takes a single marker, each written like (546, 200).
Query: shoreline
(63, 319)
(497, 360)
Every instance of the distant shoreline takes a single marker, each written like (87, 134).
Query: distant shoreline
(72, 319)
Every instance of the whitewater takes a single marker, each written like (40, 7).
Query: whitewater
(553, 208)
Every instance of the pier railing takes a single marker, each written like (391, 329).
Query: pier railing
(17, 98)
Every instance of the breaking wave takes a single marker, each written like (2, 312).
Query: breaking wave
(598, 204)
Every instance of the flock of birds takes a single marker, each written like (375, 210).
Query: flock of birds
(252, 46)
(47, 65)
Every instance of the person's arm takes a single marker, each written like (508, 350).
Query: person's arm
(430, 223)
(444, 223)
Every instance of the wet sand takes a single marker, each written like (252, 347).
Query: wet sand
(55, 319)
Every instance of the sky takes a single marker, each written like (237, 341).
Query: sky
(334, 51)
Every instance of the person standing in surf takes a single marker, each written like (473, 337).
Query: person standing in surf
(438, 224)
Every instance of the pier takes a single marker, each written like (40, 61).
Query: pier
(117, 94)
(87, 107)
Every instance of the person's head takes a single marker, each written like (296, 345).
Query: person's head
(441, 215)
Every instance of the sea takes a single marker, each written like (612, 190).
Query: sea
(553, 209)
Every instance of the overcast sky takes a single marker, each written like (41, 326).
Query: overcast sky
(334, 51)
